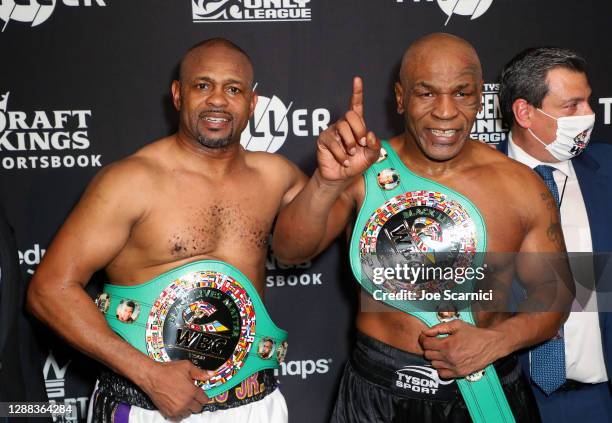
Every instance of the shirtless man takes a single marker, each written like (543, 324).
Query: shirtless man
(438, 93)
(180, 199)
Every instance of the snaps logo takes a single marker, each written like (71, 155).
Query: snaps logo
(273, 121)
(303, 368)
(31, 258)
(250, 10)
(421, 379)
(36, 12)
(28, 139)
(489, 127)
(472, 8)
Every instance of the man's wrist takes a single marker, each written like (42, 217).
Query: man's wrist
(327, 186)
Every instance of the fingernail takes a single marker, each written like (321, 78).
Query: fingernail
(362, 142)
(346, 163)
(352, 151)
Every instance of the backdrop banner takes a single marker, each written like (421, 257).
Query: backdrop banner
(87, 82)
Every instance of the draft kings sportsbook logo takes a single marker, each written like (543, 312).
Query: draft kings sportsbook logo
(44, 139)
(250, 10)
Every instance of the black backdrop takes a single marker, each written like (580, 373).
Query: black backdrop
(86, 82)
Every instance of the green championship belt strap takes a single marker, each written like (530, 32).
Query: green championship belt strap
(206, 312)
(407, 221)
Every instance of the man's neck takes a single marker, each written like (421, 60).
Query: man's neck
(523, 139)
(413, 156)
(216, 161)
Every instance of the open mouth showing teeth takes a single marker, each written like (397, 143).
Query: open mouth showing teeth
(445, 133)
(215, 120)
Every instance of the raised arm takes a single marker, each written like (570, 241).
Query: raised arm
(319, 213)
(92, 236)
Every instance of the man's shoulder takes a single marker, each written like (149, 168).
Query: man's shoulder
(270, 164)
(496, 162)
(505, 175)
(263, 158)
(135, 170)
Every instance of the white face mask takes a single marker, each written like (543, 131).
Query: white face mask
(573, 135)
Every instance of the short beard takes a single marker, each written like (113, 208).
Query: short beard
(215, 142)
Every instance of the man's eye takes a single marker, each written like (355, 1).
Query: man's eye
(233, 90)
(203, 86)
(462, 94)
(425, 94)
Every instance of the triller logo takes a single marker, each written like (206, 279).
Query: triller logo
(272, 122)
(27, 139)
(472, 8)
(36, 11)
(250, 10)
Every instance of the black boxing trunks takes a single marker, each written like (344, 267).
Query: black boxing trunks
(383, 384)
(115, 394)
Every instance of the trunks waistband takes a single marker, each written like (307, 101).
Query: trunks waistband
(114, 389)
(410, 375)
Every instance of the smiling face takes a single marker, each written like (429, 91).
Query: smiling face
(214, 96)
(439, 94)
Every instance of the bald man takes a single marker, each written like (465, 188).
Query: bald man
(400, 369)
(184, 200)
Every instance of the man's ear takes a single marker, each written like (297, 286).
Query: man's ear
(523, 113)
(480, 91)
(176, 94)
(254, 98)
(399, 97)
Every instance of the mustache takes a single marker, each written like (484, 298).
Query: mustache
(203, 113)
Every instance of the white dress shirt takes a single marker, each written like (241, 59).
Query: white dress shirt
(584, 360)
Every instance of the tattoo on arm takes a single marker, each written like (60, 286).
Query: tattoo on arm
(553, 232)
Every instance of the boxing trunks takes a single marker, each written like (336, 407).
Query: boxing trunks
(383, 384)
(414, 242)
(206, 312)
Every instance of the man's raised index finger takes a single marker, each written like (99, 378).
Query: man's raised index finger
(357, 96)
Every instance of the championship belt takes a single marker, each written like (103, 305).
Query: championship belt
(206, 312)
(409, 222)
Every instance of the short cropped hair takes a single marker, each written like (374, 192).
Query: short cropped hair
(525, 76)
(217, 40)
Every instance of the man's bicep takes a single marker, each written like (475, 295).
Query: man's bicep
(95, 231)
(297, 181)
(542, 263)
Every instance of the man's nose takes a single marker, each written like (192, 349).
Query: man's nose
(217, 98)
(445, 107)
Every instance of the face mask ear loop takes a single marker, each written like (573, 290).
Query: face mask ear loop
(542, 111)
(534, 135)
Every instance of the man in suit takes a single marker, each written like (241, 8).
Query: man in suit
(544, 98)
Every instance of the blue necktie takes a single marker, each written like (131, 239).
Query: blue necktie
(548, 359)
